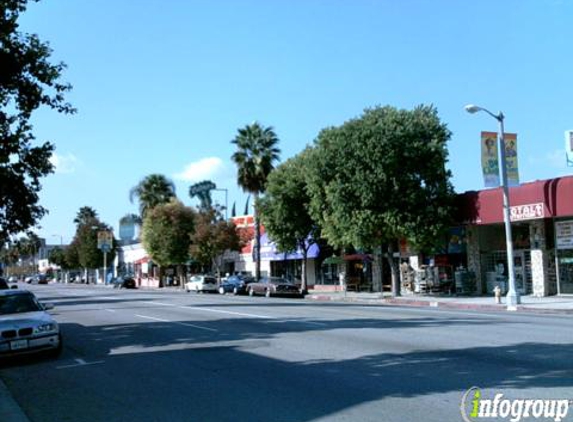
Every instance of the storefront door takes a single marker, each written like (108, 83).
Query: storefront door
(566, 271)
(519, 269)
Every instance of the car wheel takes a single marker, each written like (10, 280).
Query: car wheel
(268, 293)
(251, 292)
(55, 353)
(235, 291)
(221, 290)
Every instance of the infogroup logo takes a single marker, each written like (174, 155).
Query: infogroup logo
(474, 407)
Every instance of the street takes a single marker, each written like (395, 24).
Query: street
(148, 355)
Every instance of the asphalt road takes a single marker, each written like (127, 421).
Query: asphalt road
(171, 356)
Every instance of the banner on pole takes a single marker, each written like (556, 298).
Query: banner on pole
(511, 159)
(489, 159)
(569, 147)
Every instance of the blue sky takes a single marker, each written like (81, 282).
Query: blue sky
(161, 86)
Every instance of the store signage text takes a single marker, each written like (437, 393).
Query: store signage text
(564, 234)
(527, 212)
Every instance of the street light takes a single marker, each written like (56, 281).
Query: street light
(512, 297)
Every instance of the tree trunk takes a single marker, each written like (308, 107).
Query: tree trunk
(304, 286)
(394, 270)
(257, 247)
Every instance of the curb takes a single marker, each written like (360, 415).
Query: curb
(438, 304)
(10, 411)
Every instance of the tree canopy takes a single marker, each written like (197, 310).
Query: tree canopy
(152, 190)
(285, 209)
(382, 177)
(167, 230)
(28, 81)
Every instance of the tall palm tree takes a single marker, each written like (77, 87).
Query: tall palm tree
(255, 156)
(152, 190)
(85, 216)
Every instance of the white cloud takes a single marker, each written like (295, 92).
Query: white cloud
(64, 163)
(209, 168)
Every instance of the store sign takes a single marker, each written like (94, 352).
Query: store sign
(527, 212)
(564, 234)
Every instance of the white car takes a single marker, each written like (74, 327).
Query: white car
(201, 283)
(25, 326)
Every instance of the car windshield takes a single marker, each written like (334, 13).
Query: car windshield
(15, 304)
(278, 281)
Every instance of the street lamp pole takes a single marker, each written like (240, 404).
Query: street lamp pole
(512, 297)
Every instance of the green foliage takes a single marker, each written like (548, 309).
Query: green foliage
(212, 237)
(382, 177)
(58, 257)
(166, 234)
(83, 251)
(27, 81)
(285, 208)
(151, 191)
(255, 156)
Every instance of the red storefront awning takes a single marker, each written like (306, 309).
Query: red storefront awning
(540, 199)
(143, 260)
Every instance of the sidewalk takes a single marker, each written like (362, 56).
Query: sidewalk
(550, 304)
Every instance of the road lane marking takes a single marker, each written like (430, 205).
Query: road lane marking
(159, 303)
(178, 323)
(110, 310)
(80, 362)
(153, 318)
(197, 326)
(227, 312)
(320, 324)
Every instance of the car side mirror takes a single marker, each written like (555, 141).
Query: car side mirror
(48, 306)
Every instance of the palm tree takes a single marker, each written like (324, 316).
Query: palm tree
(255, 156)
(202, 190)
(152, 190)
(86, 215)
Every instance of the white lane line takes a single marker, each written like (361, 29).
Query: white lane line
(110, 310)
(153, 318)
(197, 326)
(226, 312)
(320, 324)
(159, 303)
(80, 362)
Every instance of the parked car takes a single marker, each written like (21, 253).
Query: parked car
(25, 326)
(201, 283)
(124, 282)
(40, 279)
(5, 285)
(273, 286)
(236, 284)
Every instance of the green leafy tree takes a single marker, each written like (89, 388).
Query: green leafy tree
(28, 81)
(380, 178)
(212, 237)
(255, 156)
(86, 216)
(83, 251)
(58, 256)
(166, 235)
(285, 209)
(151, 191)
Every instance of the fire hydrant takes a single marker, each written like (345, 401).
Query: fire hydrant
(497, 294)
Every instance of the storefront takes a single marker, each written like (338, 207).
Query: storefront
(541, 215)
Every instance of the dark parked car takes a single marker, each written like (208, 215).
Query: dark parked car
(273, 286)
(124, 282)
(236, 284)
(4, 285)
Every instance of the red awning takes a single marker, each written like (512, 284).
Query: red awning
(143, 260)
(540, 199)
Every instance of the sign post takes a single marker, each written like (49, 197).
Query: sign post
(104, 242)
